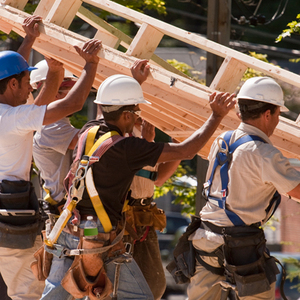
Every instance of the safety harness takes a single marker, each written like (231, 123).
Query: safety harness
(223, 159)
(92, 153)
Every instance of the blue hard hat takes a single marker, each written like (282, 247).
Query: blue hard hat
(12, 63)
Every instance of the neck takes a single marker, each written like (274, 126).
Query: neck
(258, 124)
(119, 125)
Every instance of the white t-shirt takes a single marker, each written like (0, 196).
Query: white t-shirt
(52, 156)
(256, 171)
(17, 125)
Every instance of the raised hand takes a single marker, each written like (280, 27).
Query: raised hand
(31, 26)
(89, 51)
(221, 103)
(140, 70)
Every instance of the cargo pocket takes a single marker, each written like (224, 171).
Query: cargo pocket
(250, 279)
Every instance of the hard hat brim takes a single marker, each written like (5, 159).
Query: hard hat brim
(284, 109)
(31, 68)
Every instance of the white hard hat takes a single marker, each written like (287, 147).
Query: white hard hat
(40, 73)
(263, 89)
(120, 90)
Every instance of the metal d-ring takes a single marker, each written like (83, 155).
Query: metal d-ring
(220, 147)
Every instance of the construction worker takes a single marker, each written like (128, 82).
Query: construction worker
(20, 234)
(244, 174)
(142, 208)
(119, 97)
(53, 145)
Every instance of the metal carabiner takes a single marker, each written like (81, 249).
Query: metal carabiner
(220, 146)
(78, 185)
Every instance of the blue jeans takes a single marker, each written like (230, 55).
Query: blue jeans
(132, 284)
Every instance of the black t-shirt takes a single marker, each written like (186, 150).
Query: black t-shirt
(114, 172)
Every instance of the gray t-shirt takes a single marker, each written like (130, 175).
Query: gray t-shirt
(52, 156)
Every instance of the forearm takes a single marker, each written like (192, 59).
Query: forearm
(26, 46)
(75, 99)
(165, 171)
(192, 145)
(50, 88)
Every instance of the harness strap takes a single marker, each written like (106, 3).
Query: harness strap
(223, 159)
(97, 203)
(48, 197)
(214, 270)
(94, 151)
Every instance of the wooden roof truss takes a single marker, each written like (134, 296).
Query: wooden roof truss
(179, 104)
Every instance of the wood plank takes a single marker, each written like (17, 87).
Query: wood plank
(142, 46)
(229, 75)
(44, 8)
(19, 4)
(98, 23)
(107, 39)
(185, 95)
(5, 27)
(63, 12)
(197, 41)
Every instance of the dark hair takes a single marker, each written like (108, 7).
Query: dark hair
(115, 115)
(4, 82)
(251, 109)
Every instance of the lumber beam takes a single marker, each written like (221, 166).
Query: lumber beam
(19, 4)
(197, 41)
(142, 46)
(229, 75)
(59, 12)
(107, 39)
(125, 40)
(5, 27)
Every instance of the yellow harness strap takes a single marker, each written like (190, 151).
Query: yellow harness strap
(48, 197)
(90, 148)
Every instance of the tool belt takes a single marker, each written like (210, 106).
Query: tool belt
(42, 264)
(182, 267)
(20, 218)
(243, 258)
(140, 201)
(247, 262)
(87, 275)
(149, 215)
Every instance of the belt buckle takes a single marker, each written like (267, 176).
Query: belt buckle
(142, 202)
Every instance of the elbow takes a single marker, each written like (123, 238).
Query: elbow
(159, 182)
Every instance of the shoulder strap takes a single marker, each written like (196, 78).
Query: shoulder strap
(223, 159)
(98, 149)
(92, 153)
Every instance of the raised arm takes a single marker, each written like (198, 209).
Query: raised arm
(221, 104)
(76, 97)
(31, 28)
(52, 83)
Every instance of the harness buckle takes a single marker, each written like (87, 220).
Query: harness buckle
(78, 185)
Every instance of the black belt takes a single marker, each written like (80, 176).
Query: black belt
(140, 202)
(225, 230)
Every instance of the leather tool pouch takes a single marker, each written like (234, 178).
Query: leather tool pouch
(79, 284)
(19, 231)
(247, 264)
(87, 275)
(149, 215)
(182, 267)
(42, 264)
